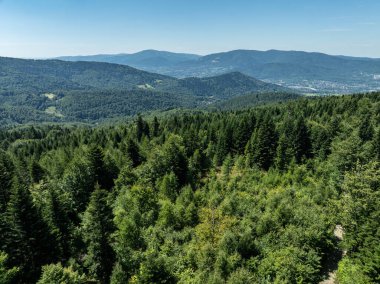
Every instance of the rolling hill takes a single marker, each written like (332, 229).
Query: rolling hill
(141, 60)
(56, 90)
(306, 71)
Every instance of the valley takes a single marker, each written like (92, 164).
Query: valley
(305, 71)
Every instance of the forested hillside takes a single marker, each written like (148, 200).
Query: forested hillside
(245, 196)
(309, 71)
(56, 91)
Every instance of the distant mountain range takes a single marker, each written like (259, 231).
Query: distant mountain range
(55, 90)
(308, 72)
(143, 59)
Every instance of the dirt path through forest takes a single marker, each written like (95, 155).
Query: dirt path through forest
(333, 263)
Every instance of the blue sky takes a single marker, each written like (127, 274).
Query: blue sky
(46, 28)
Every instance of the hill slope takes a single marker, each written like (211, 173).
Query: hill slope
(143, 59)
(308, 71)
(54, 90)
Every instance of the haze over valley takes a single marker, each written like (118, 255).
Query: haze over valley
(305, 71)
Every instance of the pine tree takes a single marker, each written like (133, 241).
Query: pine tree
(56, 216)
(142, 128)
(78, 183)
(366, 130)
(168, 186)
(36, 171)
(28, 241)
(376, 145)
(224, 143)
(132, 151)
(241, 134)
(283, 157)
(301, 140)
(6, 175)
(97, 227)
(175, 159)
(155, 127)
(261, 148)
(102, 174)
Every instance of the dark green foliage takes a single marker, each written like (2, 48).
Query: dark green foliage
(251, 100)
(97, 227)
(133, 153)
(58, 91)
(175, 160)
(6, 176)
(142, 128)
(260, 150)
(58, 216)
(154, 270)
(78, 182)
(301, 140)
(102, 174)
(36, 171)
(26, 238)
(248, 196)
(155, 127)
(6, 275)
(376, 145)
(366, 128)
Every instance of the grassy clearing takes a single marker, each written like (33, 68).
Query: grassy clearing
(50, 96)
(52, 110)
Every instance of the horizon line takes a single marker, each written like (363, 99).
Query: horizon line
(189, 53)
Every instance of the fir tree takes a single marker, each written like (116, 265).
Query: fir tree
(132, 151)
(6, 175)
(366, 130)
(97, 227)
(301, 140)
(262, 146)
(28, 241)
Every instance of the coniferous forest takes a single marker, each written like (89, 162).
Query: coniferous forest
(242, 196)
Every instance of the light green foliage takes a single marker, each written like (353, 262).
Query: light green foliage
(290, 265)
(57, 274)
(351, 272)
(248, 196)
(6, 275)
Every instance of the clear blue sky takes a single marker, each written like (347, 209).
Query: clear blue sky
(46, 28)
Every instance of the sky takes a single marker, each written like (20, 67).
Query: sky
(49, 28)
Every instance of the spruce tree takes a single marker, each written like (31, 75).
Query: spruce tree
(366, 130)
(376, 145)
(6, 175)
(301, 140)
(283, 157)
(97, 227)
(132, 151)
(27, 239)
(36, 171)
(102, 174)
(155, 127)
(262, 146)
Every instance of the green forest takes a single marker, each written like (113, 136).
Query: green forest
(54, 91)
(219, 196)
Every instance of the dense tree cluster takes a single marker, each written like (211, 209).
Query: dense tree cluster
(249, 196)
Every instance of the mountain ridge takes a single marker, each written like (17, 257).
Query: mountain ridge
(307, 71)
(56, 90)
